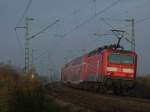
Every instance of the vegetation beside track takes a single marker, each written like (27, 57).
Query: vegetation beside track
(23, 93)
(142, 88)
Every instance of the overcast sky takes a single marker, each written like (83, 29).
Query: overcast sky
(53, 48)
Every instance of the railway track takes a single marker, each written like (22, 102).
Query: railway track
(97, 102)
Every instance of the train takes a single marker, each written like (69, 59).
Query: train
(107, 69)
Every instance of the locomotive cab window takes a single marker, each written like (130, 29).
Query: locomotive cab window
(120, 58)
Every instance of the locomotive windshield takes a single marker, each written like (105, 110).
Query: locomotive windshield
(120, 58)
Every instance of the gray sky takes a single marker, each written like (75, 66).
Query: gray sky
(71, 13)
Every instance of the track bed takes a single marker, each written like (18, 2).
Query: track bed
(97, 102)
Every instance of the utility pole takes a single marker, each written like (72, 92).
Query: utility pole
(48, 68)
(28, 38)
(27, 49)
(94, 1)
(132, 33)
(27, 45)
(50, 74)
(32, 59)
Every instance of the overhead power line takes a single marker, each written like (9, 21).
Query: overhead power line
(132, 41)
(127, 11)
(44, 29)
(107, 23)
(142, 20)
(137, 22)
(19, 21)
(92, 17)
(24, 12)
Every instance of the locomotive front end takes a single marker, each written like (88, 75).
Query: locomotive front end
(120, 70)
(121, 64)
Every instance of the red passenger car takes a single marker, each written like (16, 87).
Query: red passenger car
(108, 66)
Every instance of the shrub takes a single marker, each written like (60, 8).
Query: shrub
(143, 87)
(20, 93)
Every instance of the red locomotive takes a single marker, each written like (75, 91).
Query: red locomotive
(109, 67)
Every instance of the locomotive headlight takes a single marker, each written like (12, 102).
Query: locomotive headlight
(128, 70)
(112, 69)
